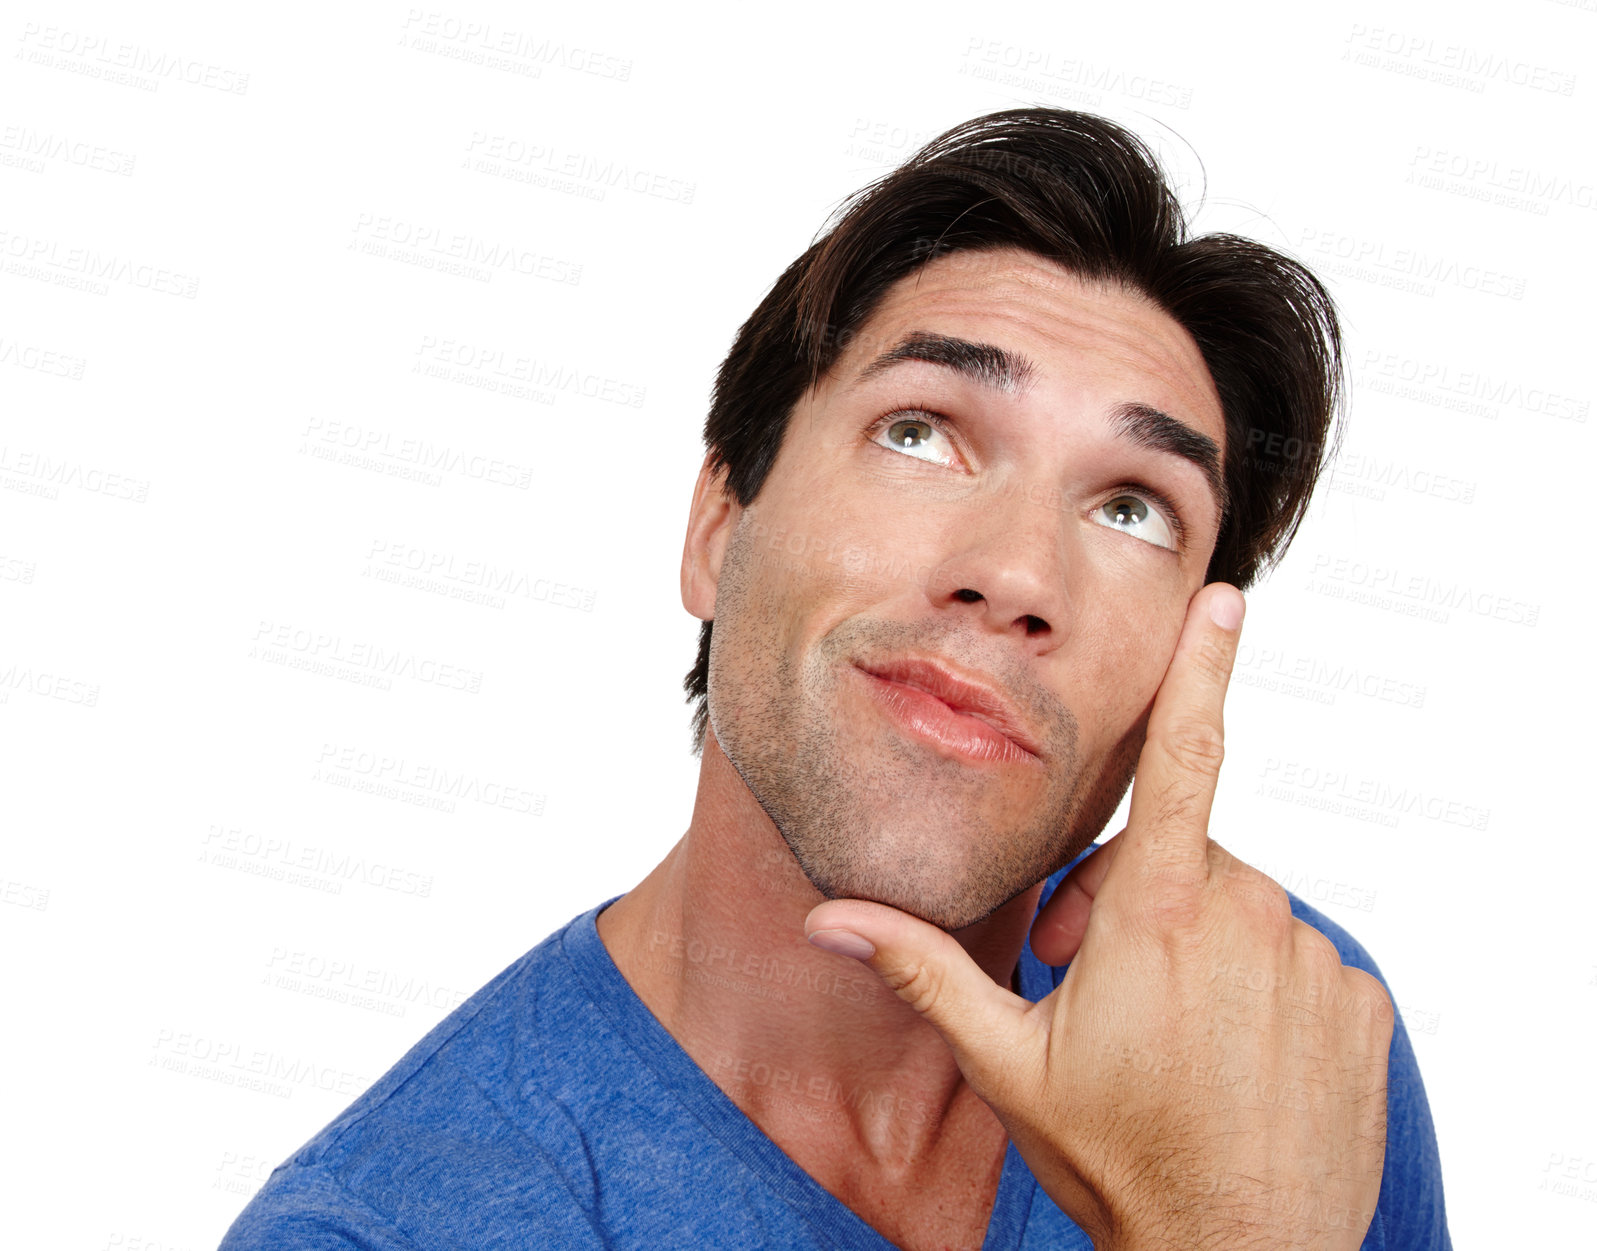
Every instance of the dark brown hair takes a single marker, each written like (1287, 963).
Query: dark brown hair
(1090, 196)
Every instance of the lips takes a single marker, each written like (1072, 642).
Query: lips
(962, 693)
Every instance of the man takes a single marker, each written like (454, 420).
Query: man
(977, 500)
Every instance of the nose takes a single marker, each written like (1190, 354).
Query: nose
(1012, 564)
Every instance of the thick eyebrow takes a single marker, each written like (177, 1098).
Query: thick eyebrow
(981, 363)
(1160, 432)
(1003, 370)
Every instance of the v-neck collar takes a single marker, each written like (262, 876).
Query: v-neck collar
(831, 1220)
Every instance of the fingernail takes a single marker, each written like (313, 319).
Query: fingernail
(1225, 608)
(843, 943)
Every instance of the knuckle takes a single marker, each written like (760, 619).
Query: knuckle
(1165, 897)
(1196, 744)
(1272, 911)
(918, 983)
(1373, 996)
(1264, 898)
(1171, 875)
(1178, 805)
(1213, 660)
(1174, 909)
(1222, 863)
(1317, 951)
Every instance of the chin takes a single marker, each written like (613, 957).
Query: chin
(936, 889)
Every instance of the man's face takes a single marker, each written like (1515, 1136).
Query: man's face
(991, 482)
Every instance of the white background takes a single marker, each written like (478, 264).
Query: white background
(179, 536)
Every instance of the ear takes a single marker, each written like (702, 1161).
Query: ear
(713, 517)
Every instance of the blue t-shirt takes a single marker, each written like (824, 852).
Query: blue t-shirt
(552, 1109)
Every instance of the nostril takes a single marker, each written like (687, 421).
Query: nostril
(1035, 625)
(967, 596)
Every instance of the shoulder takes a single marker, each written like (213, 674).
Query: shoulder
(1349, 948)
(410, 1156)
(1411, 1207)
(1411, 1212)
(307, 1208)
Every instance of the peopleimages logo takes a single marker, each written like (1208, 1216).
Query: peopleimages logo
(317, 867)
(285, 643)
(1415, 594)
(1455, 388)
(458, 252)
(519, 51)
(1491, 180)
(33, 256)
(407, 780)
(116, 61)
(1344, 793)
(479, 581)
(233, 1063)
(1451, 64)
(483, 365)
(1008, 64)
(38, 473)
(1406, 268)
(35, 147)
(29, 357)
(382, 451)
(354, 984)
(1319, 679)
(555, 168)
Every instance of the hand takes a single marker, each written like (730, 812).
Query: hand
(1208, 1073)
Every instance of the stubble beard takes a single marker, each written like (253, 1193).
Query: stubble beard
(852, 818)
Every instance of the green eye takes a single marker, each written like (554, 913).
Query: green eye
(1132, 514)
(1126, 510)
(917, 437)
(913, 433)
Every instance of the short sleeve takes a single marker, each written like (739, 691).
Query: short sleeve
(1413, 1214)
(304, 1208)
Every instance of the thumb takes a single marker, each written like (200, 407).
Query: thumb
(992, 1032)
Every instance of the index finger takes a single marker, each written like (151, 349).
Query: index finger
(1168, 827)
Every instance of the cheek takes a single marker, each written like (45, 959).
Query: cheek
(837, 550)
(797, 571)
(1128, 653)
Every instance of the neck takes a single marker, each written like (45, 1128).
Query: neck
(807, 1043)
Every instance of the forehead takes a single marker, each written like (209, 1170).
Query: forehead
(1077, 333)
